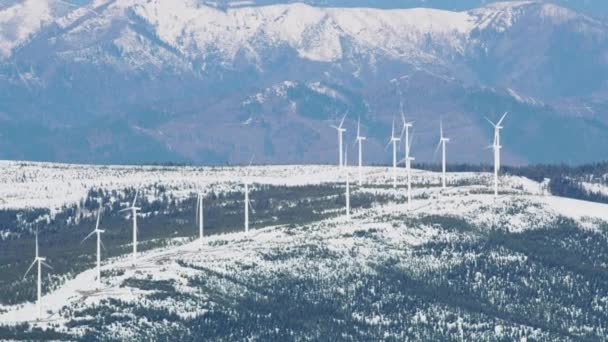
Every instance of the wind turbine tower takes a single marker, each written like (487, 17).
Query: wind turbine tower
(442, 141)
(496, 148)
(99, 245)
(408, 143)
(394, 140)
(248, 205)
(200, 216)
(134, 211)
(347, 185)
(409, 160)
(41, 261)
(341, 131)
(359, 141)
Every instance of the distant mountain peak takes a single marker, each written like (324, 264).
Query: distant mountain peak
(195, 71)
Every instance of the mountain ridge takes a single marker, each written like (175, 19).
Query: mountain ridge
(186, 67)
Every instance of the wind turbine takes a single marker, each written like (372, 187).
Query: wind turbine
(409, 160)
(442, 141)
(359, 141)
(200, 216)
(347, 185)
(134, 210)
(340, 134)
(408, 167)
(406, 130)
(394, 140)
(99, 245)
(496, 147)
(408, 157)
(246, 182)
(41, 261)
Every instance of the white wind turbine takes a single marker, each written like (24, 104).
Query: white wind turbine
(200, 216)
(496, 147)
(347, 185)
(406, 130)
(442, 141)
(394, 140)
(408, 164)
(134, 210)
(359, 141)
(41, 261)
(246, 182)
(408, 157)
(409, 182)
(340, 138)
(99, 245)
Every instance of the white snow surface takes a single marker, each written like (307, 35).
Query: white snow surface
(595, 188)
(20, 21)
(519, 206)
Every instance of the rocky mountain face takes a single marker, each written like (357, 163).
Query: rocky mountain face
(145, 81)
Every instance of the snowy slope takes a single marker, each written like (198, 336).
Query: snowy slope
(20, 21)
(375, 236)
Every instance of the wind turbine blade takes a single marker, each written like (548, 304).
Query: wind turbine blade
(502, 118)
(393, 129)
(359, 127)
(98, 215)
(388, 144)
(441, 128)
(334, 126)
(342, 121)
(251, 207)
(125, 209)
(45, 264)
(29, 269)
(135, 199)
(436, 150)
(251, 160)
(36, 243)
(411, 139)
(88, 236)
(403, 118)
(102, 245)
(490, 121)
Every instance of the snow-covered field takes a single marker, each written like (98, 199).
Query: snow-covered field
(383, 232)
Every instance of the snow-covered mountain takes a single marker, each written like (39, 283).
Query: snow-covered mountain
(176, 78)
(191, 30)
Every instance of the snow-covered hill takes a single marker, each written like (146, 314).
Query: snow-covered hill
(461, 264)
